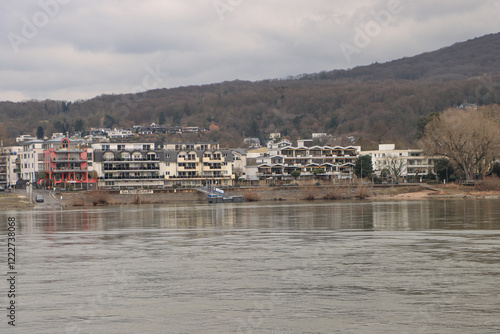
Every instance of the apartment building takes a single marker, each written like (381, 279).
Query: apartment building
(334, 162)
(66, 162)
(31, 160)
(147, 165)
(199, 167)
(9, 166)
(128, 165)
(409, 162)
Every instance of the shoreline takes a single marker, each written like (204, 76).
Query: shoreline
(253, 194)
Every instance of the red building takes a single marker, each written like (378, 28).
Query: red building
(66, 164)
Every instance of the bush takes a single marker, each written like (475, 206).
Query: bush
(362, 192)
(310, 193)
(488, 184)
(334, 193)
(251, 196)
(98, 197)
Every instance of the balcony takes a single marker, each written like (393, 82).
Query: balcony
(129, 160)
(118, 168)
(68, 160)
(145, 177)
(68, 170)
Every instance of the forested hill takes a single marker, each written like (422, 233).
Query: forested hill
(457, 62)
(377, 103)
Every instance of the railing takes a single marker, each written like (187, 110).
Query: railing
(68, 170)
(155, 177)
(199, 177)
(130, 160)
(131, 168)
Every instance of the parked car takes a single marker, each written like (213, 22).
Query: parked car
(39, 199)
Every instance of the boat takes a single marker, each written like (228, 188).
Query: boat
(213, 198)
(216, 195)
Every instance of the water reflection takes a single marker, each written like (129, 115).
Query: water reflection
(355, 215)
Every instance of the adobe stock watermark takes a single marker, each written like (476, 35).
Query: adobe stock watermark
(224, 6)
(152, 80)
(31, 27)
(365, 33)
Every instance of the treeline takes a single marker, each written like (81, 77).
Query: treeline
(373, 111)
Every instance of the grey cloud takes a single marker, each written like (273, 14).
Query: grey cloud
(95, 47)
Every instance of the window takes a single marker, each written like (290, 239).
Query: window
(146, 147)
(105, 147)
(121, 147)
(108, 156)
(65, 144)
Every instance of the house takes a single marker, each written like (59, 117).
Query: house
(252, 142)
(275, 136)
(120, 134)
(24, 138)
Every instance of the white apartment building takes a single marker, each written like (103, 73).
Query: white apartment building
(9, 158)
(334, 162)
(411, 162)
(31, 159)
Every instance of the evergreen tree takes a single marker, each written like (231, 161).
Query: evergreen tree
(39, 132)
(363, 166)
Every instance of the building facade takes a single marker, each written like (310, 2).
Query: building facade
(31, 160)
(320, 161)
(147, 165)
(410, 162)
(10, 157)
(128, 165)
(66, 163)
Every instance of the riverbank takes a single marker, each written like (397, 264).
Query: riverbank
(283, 193)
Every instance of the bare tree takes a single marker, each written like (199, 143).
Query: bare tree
(469, 138)
(396, 167)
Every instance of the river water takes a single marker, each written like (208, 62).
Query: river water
(266, 267)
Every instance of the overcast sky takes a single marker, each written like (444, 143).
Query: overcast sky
(76, 49)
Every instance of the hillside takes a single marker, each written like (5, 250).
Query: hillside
(457, 62)
(374, 103)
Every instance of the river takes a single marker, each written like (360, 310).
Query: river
(265, 267)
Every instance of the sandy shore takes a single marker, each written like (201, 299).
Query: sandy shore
(438, 192)
(14, 201)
